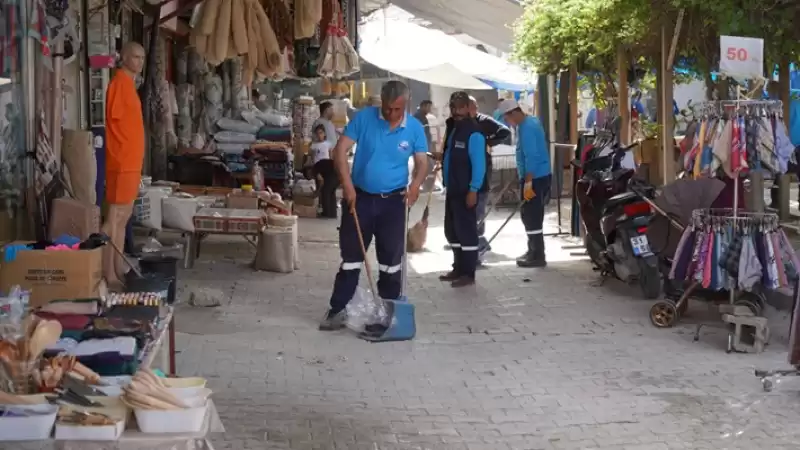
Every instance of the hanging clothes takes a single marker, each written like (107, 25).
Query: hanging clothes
(720, 252)
(747, 140)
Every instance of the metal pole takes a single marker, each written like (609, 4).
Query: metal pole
(551, 134)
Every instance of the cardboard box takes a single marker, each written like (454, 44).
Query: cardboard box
(73, 217)
(305, 211)
(55, 274)
(305, 200)
(243, 201)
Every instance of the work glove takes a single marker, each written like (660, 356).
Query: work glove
(528, 193)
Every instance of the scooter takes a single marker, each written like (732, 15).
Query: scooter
(615, 220)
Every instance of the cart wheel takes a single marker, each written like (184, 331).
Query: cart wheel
(751, 301)
(663, 314)
(767, 385)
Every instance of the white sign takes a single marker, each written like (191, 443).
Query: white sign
(741, 57)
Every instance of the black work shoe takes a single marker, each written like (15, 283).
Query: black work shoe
(526, 257)
(449, 276)
(333, 322)
(462, 282)
(531, 262)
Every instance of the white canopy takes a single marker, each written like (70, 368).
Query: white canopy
(391, 42)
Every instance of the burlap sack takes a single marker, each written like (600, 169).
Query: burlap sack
(276, 250)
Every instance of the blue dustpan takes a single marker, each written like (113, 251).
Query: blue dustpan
(402, 326)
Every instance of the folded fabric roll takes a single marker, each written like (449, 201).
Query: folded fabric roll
(275, 134)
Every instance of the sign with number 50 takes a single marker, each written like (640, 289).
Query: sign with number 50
(741, 57)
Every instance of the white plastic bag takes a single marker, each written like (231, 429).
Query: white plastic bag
(239, 126)
(272, 118)
(234, 137)
(363, 310)
(251, 118)
(147, 207)
(304, 188)
(178, 213)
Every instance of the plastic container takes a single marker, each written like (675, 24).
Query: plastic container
(186, 387)
(188, 420)
(66, 432)
(191, 394)
(111, 407)
(164, 266)
(151, 282)
(31, 428)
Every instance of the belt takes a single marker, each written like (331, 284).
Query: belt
(401, 191)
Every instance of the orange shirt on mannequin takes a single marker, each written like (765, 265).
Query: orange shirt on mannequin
(124, 140)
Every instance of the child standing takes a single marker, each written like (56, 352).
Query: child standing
(323, 165)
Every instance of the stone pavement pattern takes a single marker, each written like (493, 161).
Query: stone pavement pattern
(528, 359)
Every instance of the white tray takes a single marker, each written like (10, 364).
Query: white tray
(189, 420)
(32, 428)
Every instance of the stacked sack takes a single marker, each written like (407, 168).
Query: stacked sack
(278, 249)
(236, 136)
(159, 207)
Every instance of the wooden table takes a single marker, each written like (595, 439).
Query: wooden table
(224, 221)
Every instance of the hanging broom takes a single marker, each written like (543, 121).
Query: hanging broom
(418, 234)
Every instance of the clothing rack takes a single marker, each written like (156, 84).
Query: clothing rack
(728, 216)
(709, 234)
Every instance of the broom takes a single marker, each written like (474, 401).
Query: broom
(418, 234)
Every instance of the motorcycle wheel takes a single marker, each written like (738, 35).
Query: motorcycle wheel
(649, 280)
(594, 253)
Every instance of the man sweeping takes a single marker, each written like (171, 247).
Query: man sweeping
(534, 170)
(463, 173)
(378, 193)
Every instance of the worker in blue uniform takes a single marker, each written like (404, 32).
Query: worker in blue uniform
(495, 133)
(534, 170)
(378, 193)
(463, 173)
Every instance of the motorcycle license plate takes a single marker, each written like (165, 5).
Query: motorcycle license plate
(640, 245)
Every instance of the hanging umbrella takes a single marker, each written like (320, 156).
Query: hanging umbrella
(677, 201)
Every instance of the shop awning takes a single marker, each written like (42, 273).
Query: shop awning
(488, 21)
(443, 75)
(392, 42)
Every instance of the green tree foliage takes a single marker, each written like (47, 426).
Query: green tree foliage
(551, 34)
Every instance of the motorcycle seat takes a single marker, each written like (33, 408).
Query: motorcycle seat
(619, 200)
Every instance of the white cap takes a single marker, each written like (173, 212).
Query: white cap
(508, 105)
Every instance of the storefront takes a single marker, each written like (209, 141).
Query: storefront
(13, 124)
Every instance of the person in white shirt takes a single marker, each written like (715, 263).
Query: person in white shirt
(325, 119)
(323, 165)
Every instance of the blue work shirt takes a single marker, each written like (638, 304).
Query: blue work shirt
(380, 165)
(476, 152)
(533, 154)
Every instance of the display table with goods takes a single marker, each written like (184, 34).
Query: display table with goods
(197, 212)
(77, 374)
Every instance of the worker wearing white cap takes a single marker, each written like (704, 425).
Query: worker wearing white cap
(534, 170)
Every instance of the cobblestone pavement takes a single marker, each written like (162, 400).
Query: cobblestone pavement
(528, 359)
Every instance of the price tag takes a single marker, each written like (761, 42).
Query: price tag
(741, 57)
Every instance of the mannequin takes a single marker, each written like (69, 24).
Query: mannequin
(124, 158)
